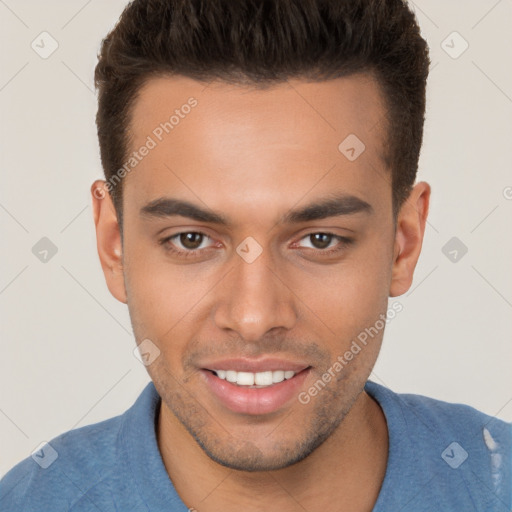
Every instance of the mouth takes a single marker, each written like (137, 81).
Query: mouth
(268, 388)
(254, 380)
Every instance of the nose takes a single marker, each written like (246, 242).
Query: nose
(254, 299)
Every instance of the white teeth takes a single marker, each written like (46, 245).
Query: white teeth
(245, 379)
(277, 376)
(230, 376)
(262, 379)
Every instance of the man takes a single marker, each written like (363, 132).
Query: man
(259, 210)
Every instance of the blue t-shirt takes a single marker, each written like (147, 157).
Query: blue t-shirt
(442, 457)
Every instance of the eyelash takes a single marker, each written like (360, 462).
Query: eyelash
(193, 253)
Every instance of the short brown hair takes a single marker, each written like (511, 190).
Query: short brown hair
(262, 42)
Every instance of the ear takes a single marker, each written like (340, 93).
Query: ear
(409, 238)
(108, 238)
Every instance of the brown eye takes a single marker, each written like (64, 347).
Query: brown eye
(191, 240)
(188, 244)
(320, 240)
(325, 244)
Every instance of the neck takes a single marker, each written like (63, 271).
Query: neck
(344, 473)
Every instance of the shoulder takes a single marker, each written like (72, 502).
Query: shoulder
(469, 451)
(438, 415)
(62, 468)
(460, 420)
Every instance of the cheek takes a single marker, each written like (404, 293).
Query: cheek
(167, 303)
(157, 289)
(350, 297)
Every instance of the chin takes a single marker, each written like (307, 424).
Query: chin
(249, 458)
(270, 455)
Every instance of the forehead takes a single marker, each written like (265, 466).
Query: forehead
(217, 139)
(351, 104)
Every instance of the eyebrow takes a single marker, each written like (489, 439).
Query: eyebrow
(332, 206)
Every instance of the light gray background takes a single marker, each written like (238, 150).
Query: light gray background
(67, 349)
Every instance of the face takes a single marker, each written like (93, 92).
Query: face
(256, 250)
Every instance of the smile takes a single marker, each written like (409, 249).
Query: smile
(254, 380)
(254, 393)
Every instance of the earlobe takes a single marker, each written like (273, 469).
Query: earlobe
(108, 239)
(409, 238)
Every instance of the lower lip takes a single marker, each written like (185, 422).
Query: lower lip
(247, 400)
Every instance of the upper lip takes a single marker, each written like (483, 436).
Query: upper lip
(255, 365)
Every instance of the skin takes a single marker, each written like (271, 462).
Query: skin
(252, 156)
